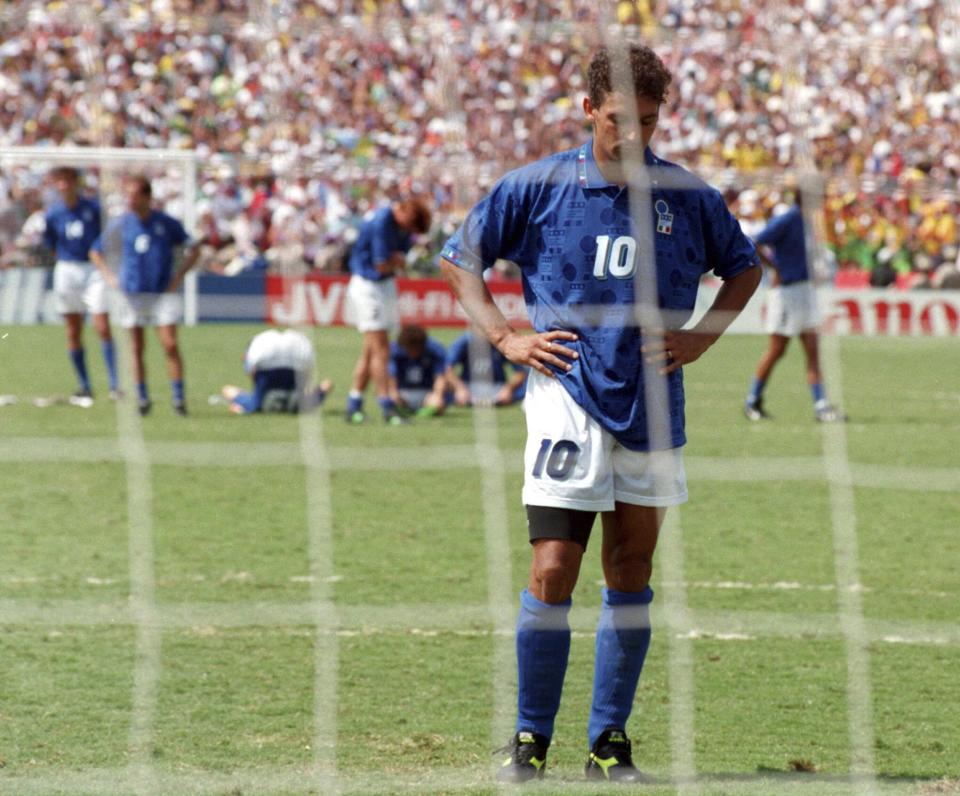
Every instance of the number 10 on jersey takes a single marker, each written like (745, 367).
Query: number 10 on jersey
(559, 458)
(618, 257)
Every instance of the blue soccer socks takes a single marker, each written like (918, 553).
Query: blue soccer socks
(80, 367)
(110, 360)
(623, 637)
(818, 393)
(543, 647)
(756, 391)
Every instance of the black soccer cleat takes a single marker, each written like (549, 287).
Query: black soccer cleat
(180, 408)
(144, 406)
(611, 759)
(755, 412)
(526, 760)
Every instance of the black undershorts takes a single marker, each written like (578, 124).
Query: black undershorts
(550, 522)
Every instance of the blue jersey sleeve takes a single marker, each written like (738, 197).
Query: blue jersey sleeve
(772, 234)
(457, 352)
(491, 230)
(438, 356)
(178, 235)
(49, 232)
(729, 251)
(395, 353)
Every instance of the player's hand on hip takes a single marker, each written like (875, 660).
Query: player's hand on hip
(539, 350)
(672, 350)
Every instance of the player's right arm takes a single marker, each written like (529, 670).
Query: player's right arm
(97, 258)
(532, 350)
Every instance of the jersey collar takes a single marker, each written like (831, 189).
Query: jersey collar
(588, 173)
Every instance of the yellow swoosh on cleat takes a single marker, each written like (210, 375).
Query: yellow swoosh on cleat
(604, 763)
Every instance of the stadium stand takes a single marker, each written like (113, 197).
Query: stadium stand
(261, 93)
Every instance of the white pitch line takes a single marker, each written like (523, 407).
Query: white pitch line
(464, 619)
(500, 604)
(143, 607)
(447, 457)
(680, 625)
(563, 779)
(323, 611)
(847, 566)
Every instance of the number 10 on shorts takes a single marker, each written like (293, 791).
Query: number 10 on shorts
(557, 458)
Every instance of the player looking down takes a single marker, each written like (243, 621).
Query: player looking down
(593, 442)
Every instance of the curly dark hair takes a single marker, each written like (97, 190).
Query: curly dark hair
(650, 77)
(412, 337)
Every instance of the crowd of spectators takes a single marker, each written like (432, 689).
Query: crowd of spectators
(305, 114)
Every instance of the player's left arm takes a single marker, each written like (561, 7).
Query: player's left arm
(680, 347)
(190, 255)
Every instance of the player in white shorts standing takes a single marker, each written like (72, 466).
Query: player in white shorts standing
(567, 223)
(145, 240)
(71, 226)
(791, 311)
(376, 257)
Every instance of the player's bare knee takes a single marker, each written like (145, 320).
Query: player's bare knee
(554, 570)
(628, 571)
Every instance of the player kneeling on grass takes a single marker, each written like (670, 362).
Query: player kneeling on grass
(280, 365)
(146, 241)
(416, 368)
(477, 374)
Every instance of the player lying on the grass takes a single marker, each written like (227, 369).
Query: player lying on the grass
(595, 443)
(791, 311)
(477, 373)
(416, 371)
(145, 241)
(72, 224)
(280, 367)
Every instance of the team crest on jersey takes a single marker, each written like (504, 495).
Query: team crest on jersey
(664, 217)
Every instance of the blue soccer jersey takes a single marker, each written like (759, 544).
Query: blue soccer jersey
(570, 232)
(785, 235)
(71, 231)
(378, 238)
(147, 249)
(419, 373)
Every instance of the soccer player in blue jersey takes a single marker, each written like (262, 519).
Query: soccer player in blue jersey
(477, 374)
(416, 371)
(791, 311)
(594, 442)
(376, 257)
(146, 241)
(280, 365)
(72, 224)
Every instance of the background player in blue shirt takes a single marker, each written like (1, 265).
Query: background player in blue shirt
(146, 241)
(791, 310)
(567, 222)
(477, 374)
(72, 224)
(280, 366)
(416, 371)
(375, 259)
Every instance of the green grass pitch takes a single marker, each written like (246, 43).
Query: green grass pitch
(266, 605)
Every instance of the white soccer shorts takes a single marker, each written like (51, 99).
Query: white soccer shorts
(149, 309)
(791, 309)
(414, 398)
(372, 306)
(571, 461)
(78, 287)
